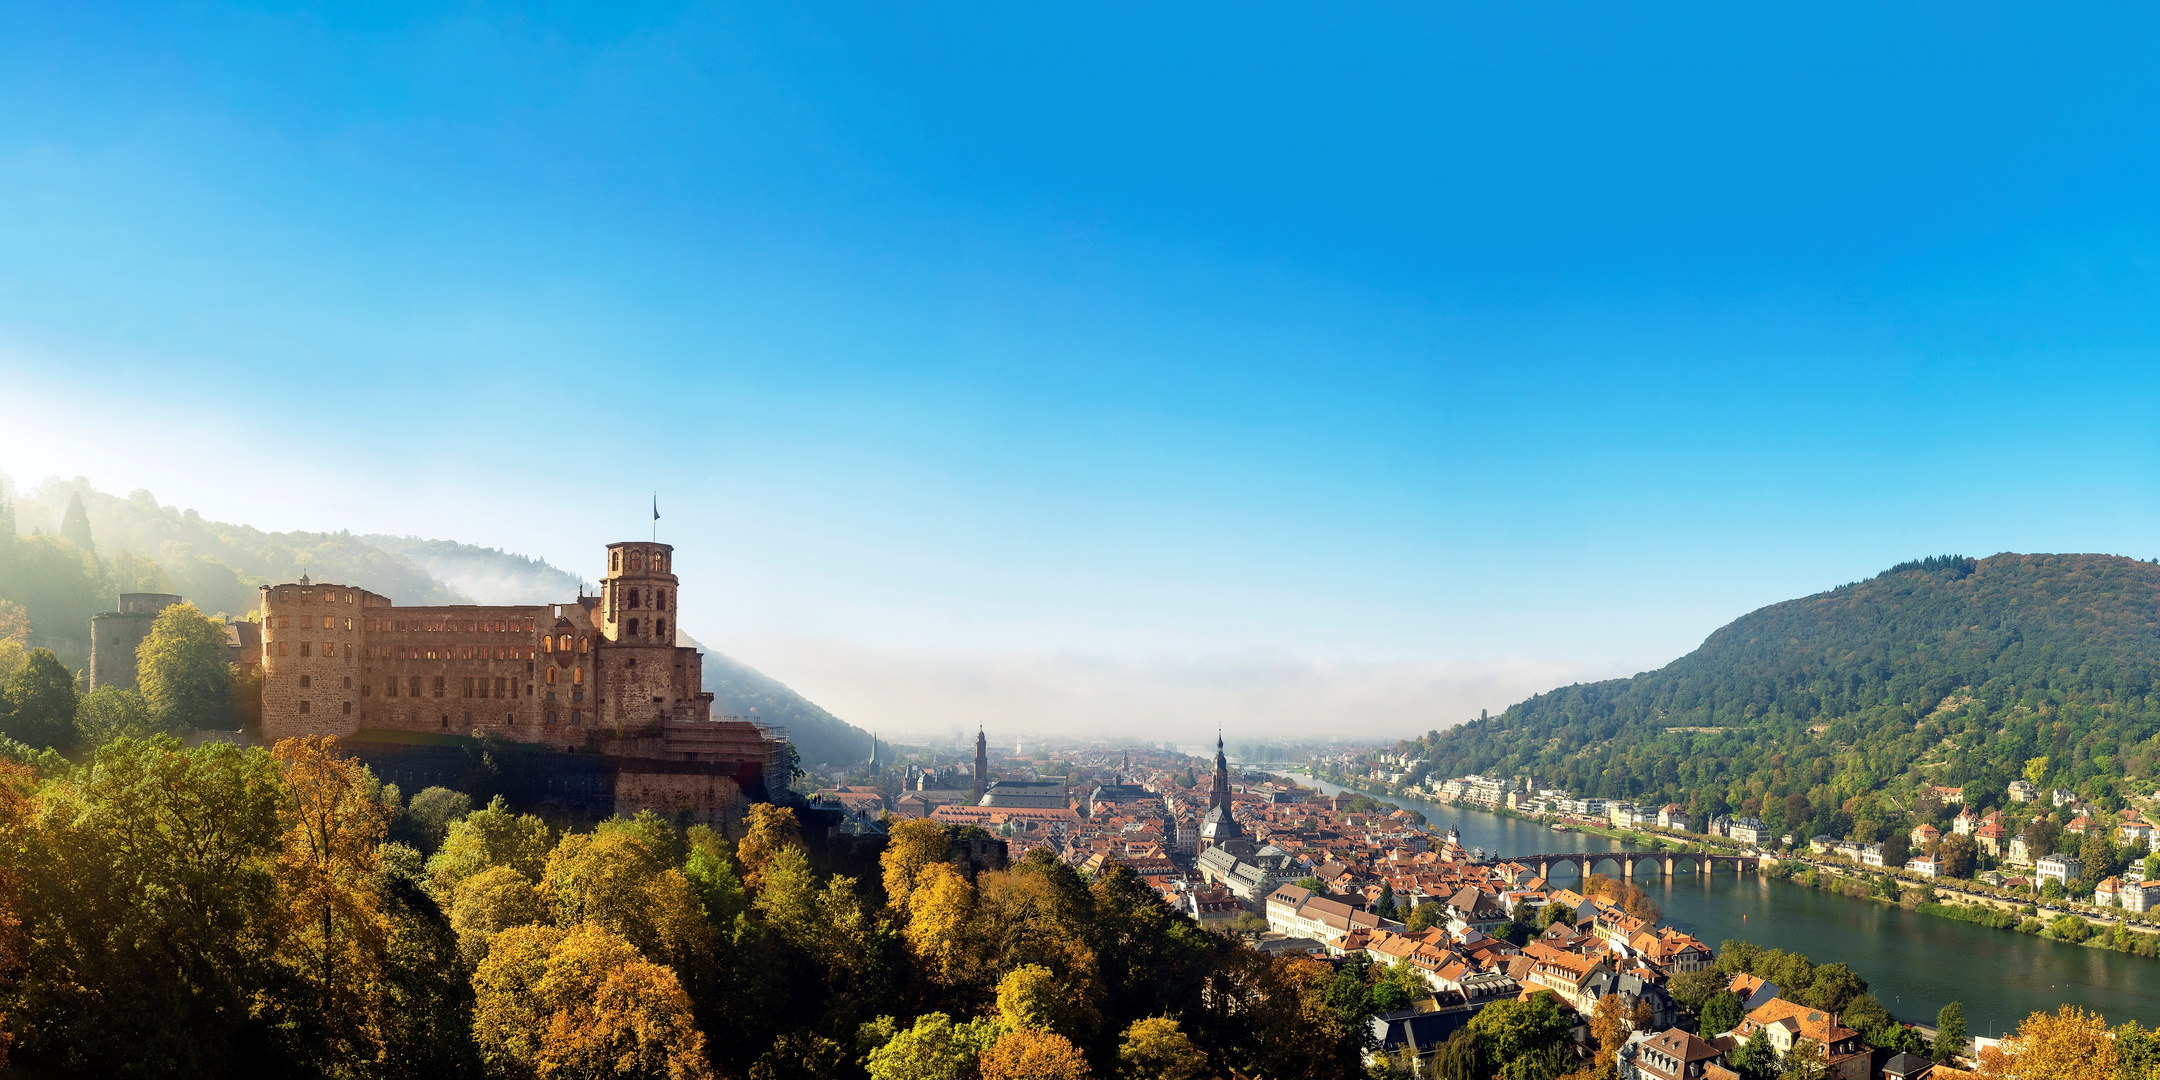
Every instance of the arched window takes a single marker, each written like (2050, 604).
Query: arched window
(614, 560)
(584, 644)
(551, 674)
(637, 560)
(566, 643)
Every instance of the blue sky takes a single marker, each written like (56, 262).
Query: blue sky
(1111, 368)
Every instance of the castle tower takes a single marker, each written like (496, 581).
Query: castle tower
(982, 766)
(642, 677)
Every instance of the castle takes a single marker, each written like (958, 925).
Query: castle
(600, 675)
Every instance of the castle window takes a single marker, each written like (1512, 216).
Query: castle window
(633, 628)
(551, 718)
(439, 686)
(577, 717)
(284, 622)
(577, 676)
(614, 560)
(584, 645)
(303, 708)
(306, 681)
(390, 688)
(551, 675)
(348, 683)
(659, 629)
(348, 624)
(304, 646)
(347, 710)
(348, 652)
(468, 687)
(281, 648)
(637, 561)
(633, 598)
(415, 686)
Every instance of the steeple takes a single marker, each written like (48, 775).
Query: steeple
(982, 766)
(1221, 796)
(873, 751)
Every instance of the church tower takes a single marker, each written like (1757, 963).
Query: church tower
(1217, 826)
(982, 767)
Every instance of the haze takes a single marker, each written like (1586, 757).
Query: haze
(1307, 372)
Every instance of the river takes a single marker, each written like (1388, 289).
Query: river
(1914, 963)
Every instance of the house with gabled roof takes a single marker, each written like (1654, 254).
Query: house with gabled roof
(1785, 1023)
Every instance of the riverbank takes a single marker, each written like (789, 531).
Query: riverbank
(1916, 963)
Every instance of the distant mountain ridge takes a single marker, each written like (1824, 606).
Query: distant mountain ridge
(144, 546)
(1950, 670)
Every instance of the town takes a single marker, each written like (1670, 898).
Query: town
(1357, 883)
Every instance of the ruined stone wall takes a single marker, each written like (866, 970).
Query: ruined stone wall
(312, 661)
(114, 637)
(710, 799)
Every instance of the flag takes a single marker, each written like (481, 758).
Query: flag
(656, 507)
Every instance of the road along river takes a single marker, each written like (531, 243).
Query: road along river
(1914, 963)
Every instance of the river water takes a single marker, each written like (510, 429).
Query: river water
(1914, 963)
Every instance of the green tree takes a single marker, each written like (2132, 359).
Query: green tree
(1949, 1033)
(37, 706)
(1755, 1059)
(935, 1048)
(1721, 1012)
(1804, 1061)
(75, 524)
(110, 712)
(490, 836)
(149, 905)
(1833, 987)
(184, 670)
(431, 813)
(1386, 907)
(1529, 1038)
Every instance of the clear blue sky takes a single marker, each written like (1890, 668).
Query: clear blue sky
(1123, 367)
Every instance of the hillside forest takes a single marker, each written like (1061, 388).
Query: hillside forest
(277, 912)
(67, 552)
(1838, 713)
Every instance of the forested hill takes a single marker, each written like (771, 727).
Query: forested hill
(1949, 669)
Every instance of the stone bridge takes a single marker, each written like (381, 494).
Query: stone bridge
(1627, 862)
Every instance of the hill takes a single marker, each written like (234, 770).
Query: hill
(1947, 670)
(135, 544)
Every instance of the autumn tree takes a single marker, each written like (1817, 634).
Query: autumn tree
(489, 902)
(2070, 1044)
(614, 879)
(911, 847)
(582, 1002)
(184, 669)
(1610, 1025)
(1033, 1054)
(772, 828)
(336, 929)
(1156, 1048)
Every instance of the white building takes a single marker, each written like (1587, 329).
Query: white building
(1747, 830)
(2059, 868)
(1924, 865)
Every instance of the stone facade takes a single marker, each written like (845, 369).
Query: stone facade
(115, 635)
(599, 674)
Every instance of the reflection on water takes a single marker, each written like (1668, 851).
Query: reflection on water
(1915, 963)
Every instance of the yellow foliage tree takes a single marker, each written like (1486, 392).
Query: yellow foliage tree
(1156, 1048)
(2071, 1044)
(489, 902)
(1029, 1054)
(616, 881)
(582, 1003)
(911, 847)
(337, 931)
(772, 830)
(938, 931)
(1032, 996)
(489, 836)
